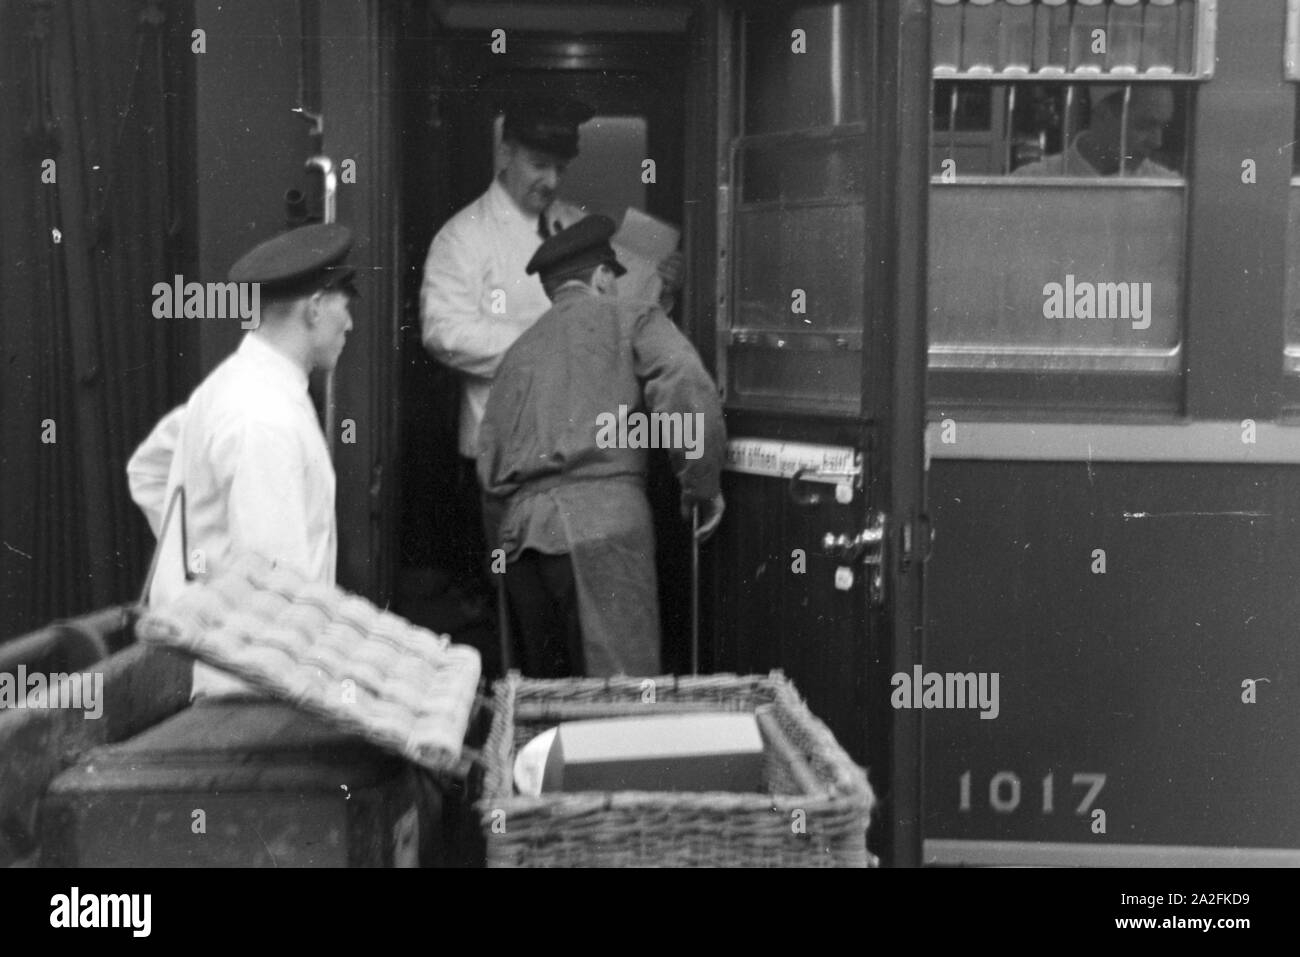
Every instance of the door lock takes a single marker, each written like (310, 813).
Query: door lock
(868, 546)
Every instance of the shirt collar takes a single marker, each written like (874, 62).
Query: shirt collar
(577, 288)
(276, 363)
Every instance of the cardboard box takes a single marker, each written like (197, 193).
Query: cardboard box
(689, 752)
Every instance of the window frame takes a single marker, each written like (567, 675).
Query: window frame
(1233, 267)
(1203, 50)
(733, 141)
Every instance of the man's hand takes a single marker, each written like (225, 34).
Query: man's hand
(670, 271)
(710, 515)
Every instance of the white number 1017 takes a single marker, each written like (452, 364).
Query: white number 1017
(1004, 791)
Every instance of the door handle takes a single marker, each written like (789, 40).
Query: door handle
(868, 546)
(330, 186)
(866, 542)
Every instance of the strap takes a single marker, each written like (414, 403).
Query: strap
(177, 502)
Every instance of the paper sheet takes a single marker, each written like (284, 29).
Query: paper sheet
(641, 243)
(646, 236)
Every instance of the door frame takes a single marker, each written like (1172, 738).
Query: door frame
(898, 118)
(905, 75)
(361, 122)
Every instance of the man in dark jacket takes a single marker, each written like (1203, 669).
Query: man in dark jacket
(576, 403)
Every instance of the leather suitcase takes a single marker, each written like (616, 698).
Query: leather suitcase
(237, 783)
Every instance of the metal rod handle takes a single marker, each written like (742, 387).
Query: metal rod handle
(330, 187)
(695, 590)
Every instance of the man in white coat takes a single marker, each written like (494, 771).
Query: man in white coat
(247, 447)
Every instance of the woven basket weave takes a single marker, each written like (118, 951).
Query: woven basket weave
(778, 828)
(364, 670)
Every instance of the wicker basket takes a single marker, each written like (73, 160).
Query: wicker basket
(821, 822)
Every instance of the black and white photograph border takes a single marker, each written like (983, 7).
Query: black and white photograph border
(708, 433)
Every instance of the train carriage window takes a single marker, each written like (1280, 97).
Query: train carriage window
(796, 229)
(1059, 171)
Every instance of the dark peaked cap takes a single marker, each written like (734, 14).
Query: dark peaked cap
(299, 262)
(549, 124)
(581, 247)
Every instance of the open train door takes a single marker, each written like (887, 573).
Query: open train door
(817, 306)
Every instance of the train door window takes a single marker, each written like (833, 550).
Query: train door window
(1058, 198)
(792, 306)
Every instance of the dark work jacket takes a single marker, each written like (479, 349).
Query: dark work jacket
(551, 482)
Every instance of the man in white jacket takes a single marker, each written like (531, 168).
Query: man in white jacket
(247, 447)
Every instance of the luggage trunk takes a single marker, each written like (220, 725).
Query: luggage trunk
(236, 784)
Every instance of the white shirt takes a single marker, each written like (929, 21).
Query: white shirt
(250, 453)
(476, 299)
(151, 464)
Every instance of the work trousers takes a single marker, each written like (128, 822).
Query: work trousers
(544, 615)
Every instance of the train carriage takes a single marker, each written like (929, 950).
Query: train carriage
(1000, 296)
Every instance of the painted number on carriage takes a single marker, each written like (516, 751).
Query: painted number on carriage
(1005, 792)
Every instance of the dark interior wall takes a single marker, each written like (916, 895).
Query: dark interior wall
(250, 147)
(170, 161)
(102, 91)
(21, 285)
(1135, 673)
(430, 392)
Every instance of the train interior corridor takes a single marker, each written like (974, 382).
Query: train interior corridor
(454, 93)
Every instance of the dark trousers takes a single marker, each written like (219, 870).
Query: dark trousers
(544, 615)
(475, 560)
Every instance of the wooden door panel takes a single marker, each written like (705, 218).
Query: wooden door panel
(777, 608)
(747, 595)
(773, 616)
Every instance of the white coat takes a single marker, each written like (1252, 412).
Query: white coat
(249, 451)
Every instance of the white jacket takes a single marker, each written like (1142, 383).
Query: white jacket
(250, 453)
